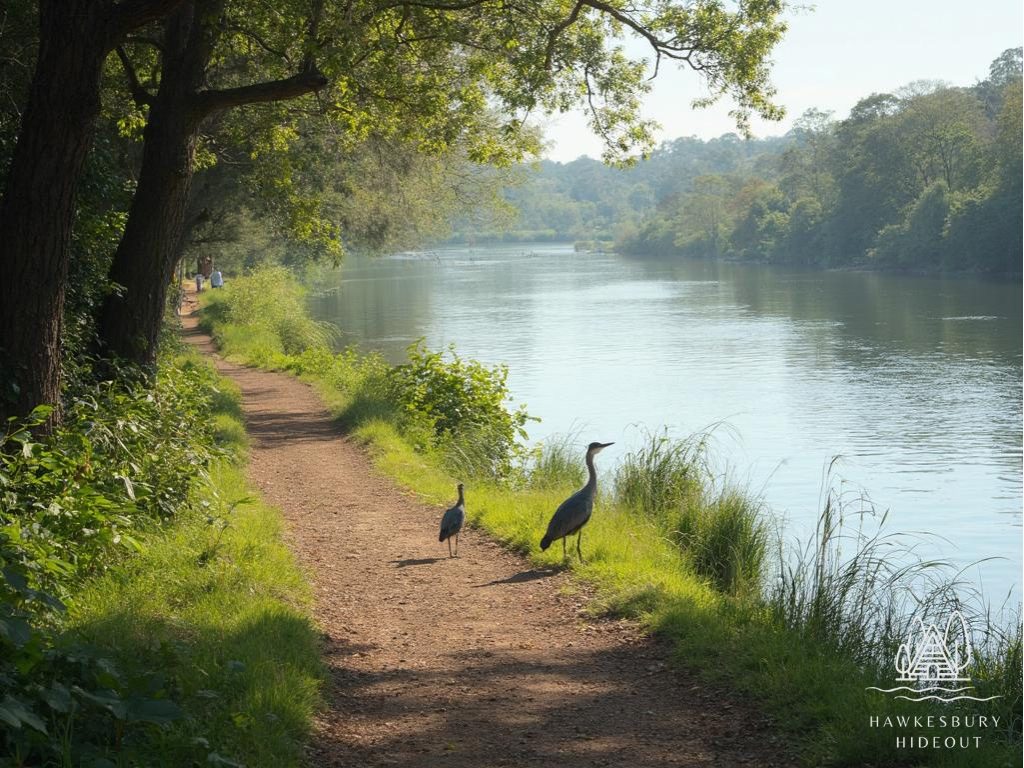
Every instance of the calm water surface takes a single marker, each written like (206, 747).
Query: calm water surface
(915, 382)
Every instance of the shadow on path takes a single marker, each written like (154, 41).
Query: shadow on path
(524, 576)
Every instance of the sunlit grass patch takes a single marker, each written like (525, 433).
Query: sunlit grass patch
(215, 611)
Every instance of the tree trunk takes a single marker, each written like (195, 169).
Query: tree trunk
(39, 201)
(130, 322)
(38, 207)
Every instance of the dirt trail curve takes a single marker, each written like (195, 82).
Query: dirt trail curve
(473, 662)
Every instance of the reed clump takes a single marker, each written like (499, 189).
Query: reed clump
(723, 530)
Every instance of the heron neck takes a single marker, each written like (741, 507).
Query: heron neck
(461, 500)
(591, 472)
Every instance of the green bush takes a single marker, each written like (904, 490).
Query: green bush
(460, 405)
(72, 506)
(268, 302)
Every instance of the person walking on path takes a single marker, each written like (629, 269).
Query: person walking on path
(217, 279)
(199, 282)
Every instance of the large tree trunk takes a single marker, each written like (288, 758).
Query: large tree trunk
(130, 320)
(38, 205)
(39, 201)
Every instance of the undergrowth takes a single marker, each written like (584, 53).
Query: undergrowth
(149, 614)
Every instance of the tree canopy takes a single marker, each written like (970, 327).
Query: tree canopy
(297, 100)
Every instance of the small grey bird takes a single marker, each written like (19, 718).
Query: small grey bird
(451, 523)
(573, 513)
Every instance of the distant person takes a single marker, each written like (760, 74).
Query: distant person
(199, 282)
(217, 279)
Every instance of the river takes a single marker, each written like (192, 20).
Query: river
(915, 382)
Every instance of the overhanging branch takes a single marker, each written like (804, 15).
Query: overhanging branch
(309, 81)
(132, 14)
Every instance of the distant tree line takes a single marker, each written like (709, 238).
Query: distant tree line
(586, 199)
(926, 179)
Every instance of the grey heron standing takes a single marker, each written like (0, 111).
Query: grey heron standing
(451, 523)
(573, 513)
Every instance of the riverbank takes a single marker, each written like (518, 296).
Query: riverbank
(479, 660)
(807, 666)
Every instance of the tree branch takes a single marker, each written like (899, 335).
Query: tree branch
(308, 81)
(132, 14)
(559, 29)
(140, 95)
(670, 48)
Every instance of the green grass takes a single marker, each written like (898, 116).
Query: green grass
(217, 610)
(687, 554)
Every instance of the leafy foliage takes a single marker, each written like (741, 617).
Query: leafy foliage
(269, 303)
(72, 506)
(461, 406)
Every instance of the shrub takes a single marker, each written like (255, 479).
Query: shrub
(268, 303)
(459, 404)
(72, 506)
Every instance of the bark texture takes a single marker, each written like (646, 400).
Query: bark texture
(130, 321)
(38, 206)
(39, 201)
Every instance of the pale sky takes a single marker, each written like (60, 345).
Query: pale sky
(833, 55)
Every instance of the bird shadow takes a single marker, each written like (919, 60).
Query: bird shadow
(523, 576)
(417, 561)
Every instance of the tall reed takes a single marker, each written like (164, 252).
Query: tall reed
(723, 530)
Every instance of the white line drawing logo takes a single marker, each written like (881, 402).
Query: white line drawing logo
(929, 658)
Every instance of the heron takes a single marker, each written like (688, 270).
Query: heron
(573, 513)
(451, 523)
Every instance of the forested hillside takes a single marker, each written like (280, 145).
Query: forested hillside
(586, 199)
(926, 178)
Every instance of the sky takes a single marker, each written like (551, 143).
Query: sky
(833, 55)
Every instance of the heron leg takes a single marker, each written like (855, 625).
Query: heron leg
(578, 537)
(456, 545)
(449, 546)
(564, 555)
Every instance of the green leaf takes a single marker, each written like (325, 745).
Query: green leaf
(13, 711)
(16, 630)
(156, 711)
(8, 717)
(109, 700)
(58, 698)
(40, 413)
(15, 579)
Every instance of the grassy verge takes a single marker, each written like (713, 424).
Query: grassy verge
(685, 553)
(189, 645)
(216, 605)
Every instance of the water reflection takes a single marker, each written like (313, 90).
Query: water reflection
(915, 381)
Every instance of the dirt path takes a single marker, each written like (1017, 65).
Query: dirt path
(473, 662)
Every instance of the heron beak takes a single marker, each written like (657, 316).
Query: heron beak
(605, 445)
